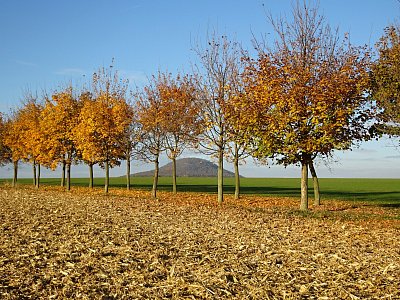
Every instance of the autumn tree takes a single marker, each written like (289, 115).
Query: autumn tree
(153, 134)
(180, 116)
(219, 68)
(22, 136)
(130, 136)
(58, 119)
(4, 150)
(84, 134)
(102, 121)
(386, 81)
(237, 149)
(305, 96)
(12, 139)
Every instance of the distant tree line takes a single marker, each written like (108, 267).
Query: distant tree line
(301, 98)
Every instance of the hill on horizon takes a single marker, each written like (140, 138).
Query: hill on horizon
(187, 167)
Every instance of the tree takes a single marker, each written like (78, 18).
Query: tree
(153, 134)
(237, 148)
(305, 97)
(180, 116)
(58, 119)
(219, 62)
(4, 150)
(22, 137)
(385, 81)
(102, 122)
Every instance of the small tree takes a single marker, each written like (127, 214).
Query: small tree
(102, 121)
(180, 116)
(58, 119)
(4, 150)
(386, 81)
(153, 134)
(219, 66)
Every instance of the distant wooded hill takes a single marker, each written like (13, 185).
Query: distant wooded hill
(188, 167)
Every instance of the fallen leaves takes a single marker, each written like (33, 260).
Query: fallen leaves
(87, 245)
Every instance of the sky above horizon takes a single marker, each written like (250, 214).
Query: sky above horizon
(45, 44)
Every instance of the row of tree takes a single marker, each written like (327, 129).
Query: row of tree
(302, 98)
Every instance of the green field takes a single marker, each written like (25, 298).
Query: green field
(379, 191)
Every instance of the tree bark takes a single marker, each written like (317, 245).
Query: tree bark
(155, 179)
(174, 175)
(38, 177)
(68, 176)
(34, 173)
(15, 177)
(237, 175)
(63, 173)
(91, 175)
(317, 197)
(304, 186)
(220, 176)
(128, 173)
(107, 179)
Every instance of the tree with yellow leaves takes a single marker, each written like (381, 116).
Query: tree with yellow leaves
(386, 81)
(58, 119)
(102, 121)
(4, 150)
(305, 97)
(22, 136)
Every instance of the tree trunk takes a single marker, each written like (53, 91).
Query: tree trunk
(174, 175)
(91, 175)
(237, 175)
(38, 177)
(304, 186)
(63, 174)
(15, 177)
(128, 173)
(34, 173)
(220, 176)
(317, 197)
(68, 176)
(107, 180)
(155, 179)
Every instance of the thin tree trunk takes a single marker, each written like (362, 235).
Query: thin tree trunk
(304, 186)
(155, 179)
(34, 173)
(220, 176)
(128, 173)
(317, 197)
(68, 176)
(237, 175)
(15, 177)
(107, 180)
(63, 174)
(91, 175)
(174, 174)
(38, 177)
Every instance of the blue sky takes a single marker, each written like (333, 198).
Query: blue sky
(48, 43)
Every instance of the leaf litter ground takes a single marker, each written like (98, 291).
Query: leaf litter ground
(85, 245)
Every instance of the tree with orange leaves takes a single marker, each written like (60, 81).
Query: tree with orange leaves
(22, 136)
(4, 150)
(180, 116)
(305, 97)
(153, 133)
(58, 119)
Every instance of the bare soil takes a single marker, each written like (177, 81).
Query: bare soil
(85, 245)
